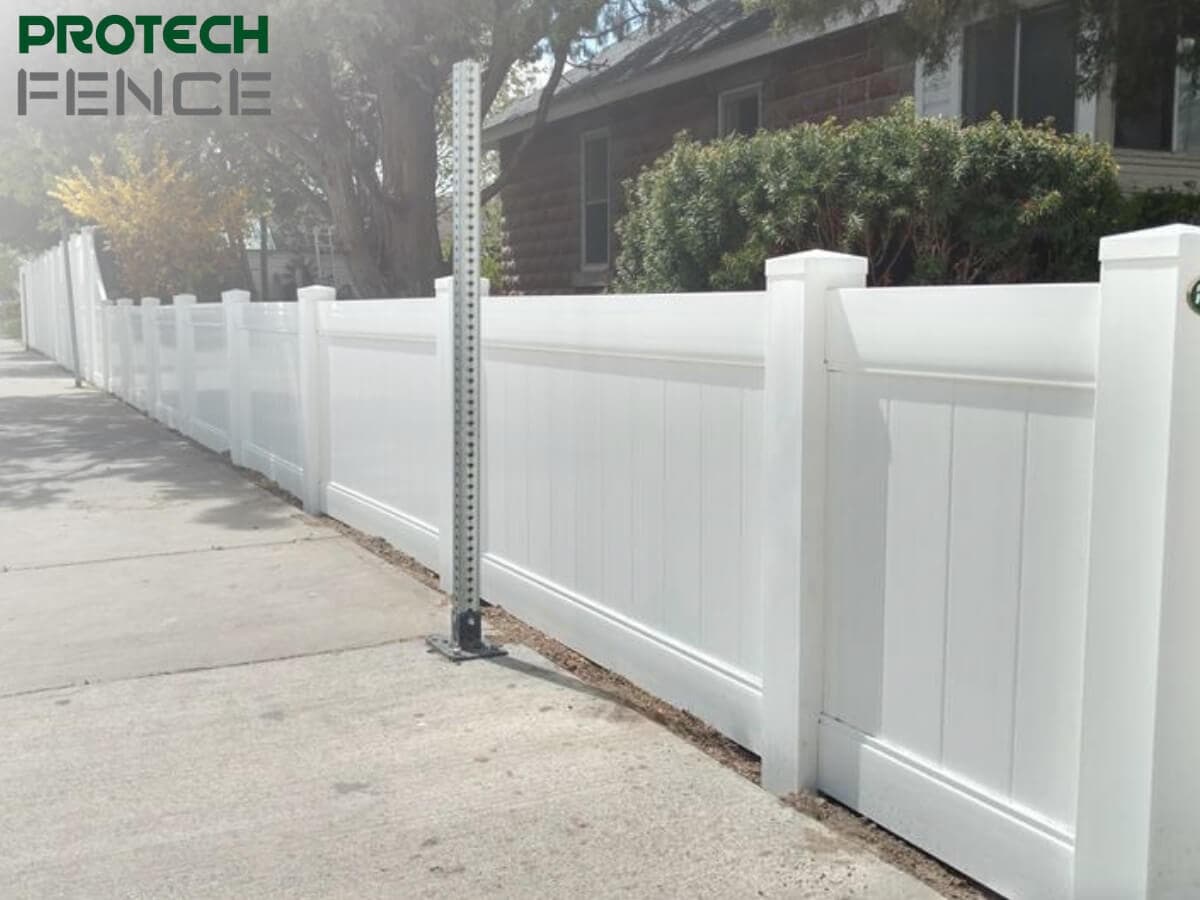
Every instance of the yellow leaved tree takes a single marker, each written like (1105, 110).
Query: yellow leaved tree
(169, 231)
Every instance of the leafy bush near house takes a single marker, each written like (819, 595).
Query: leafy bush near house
(925, 200)
(1163, 206)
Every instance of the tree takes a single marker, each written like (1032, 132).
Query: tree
(169, 231)
(1129, 36)
(357, 88)
(359, 92)
(29, 162)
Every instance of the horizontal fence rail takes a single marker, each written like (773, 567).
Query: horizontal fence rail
(1026, 334)
(927, 550)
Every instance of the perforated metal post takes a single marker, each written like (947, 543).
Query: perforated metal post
(466, 624)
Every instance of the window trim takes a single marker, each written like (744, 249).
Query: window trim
(945, 88)
(1106, 125)
(1095, 116)
(584, 139)
(1176, 126)
(1020, 14)
(755, 87)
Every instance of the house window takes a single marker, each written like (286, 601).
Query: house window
(1159, 108)
(740, 111)
(1021, 66)
(594, 198)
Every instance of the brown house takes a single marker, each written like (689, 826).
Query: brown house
(718, 69)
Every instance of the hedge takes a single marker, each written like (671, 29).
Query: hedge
(926, 200)
(1163, 206)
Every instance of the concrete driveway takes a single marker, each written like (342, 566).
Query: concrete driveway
(204, 693)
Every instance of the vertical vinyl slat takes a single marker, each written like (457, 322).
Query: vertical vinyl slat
(1045, 764)
(683, 510)
(985, 548)
(647, 531)
(856, 550)
(917, 510)
(720, 535)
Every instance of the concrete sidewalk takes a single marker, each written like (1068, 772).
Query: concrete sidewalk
(204, 693)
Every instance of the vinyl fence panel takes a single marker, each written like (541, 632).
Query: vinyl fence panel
(272, 443)
(210, 383)
(623, 470)
(961, 437)
(383, 390)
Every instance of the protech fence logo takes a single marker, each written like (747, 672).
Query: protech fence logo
(182, 93)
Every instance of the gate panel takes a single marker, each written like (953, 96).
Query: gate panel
(956, 568)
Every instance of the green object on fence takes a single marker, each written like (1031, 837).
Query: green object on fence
(1193, 297)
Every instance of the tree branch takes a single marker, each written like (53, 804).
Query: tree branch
(539, 119)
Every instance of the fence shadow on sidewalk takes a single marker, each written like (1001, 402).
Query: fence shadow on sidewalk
(51, 443)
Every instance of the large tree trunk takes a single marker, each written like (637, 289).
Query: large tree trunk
(407, 205)
(330, 158)
(384, 207)
(351, 224)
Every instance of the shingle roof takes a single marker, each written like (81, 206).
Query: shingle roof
(704, 28)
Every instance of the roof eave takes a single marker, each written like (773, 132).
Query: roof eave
(673, 74)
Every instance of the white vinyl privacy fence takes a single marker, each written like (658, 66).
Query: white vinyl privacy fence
(46, 314)
(928, 550)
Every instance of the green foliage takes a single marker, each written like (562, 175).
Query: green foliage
(1164, 206)
(10, 320)
(168, 231)
(491, 256)
(10, 307)
(925, 200)
(1129, 35)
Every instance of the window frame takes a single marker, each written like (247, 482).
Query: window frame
(1176, 126)
(586, 137)
(737, 93)
(1019, 15)
(1094, 116)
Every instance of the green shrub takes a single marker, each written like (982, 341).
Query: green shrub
(10, 319)
(925, 200)
(1162, 206)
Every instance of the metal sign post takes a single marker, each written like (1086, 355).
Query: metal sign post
(466, 623)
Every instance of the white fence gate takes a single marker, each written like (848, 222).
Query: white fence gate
(928, 550)
(960, 450)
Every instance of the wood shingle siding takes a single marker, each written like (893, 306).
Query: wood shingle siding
(849, 74)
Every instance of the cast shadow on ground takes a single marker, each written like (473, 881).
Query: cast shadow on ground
(53, 443)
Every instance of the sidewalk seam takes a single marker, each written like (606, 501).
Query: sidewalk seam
(216, 548)
(332, 651)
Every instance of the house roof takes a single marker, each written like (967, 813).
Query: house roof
(709, 35)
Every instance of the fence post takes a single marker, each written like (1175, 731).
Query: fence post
(1138, 819)
(125, 337)
(95, 310)
(233, 304)
(106, 314)
(794, 417)
(23, 296)
(185, 361)
(312, 394)
(150, 306)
